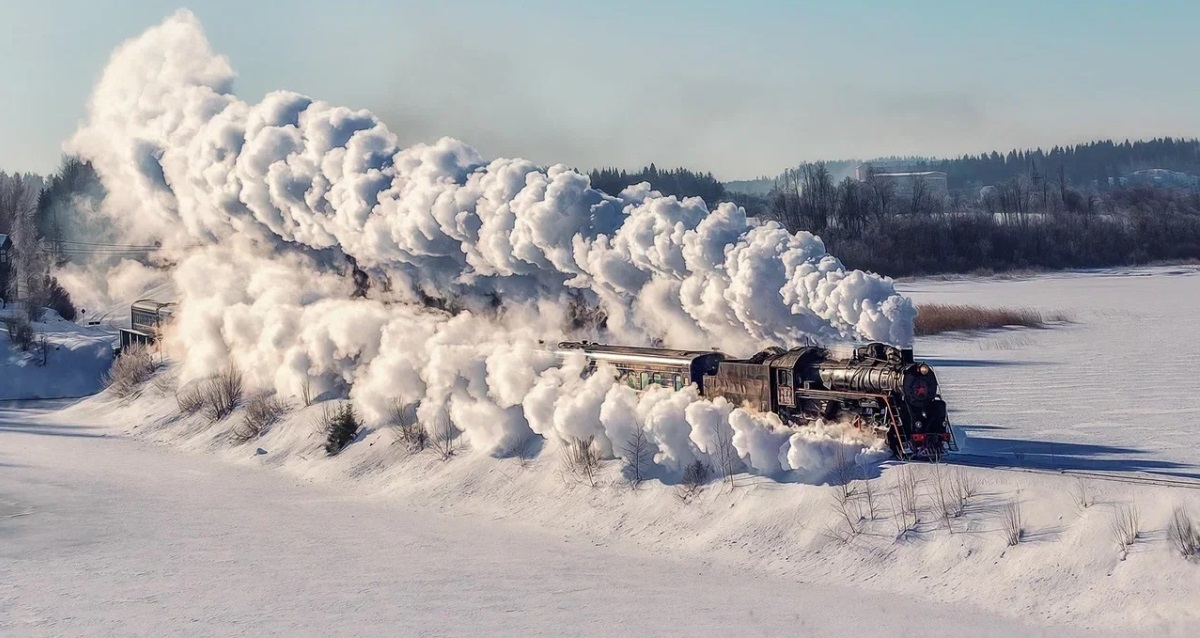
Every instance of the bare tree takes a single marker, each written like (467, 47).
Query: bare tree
(18, 207)
(637, 454)
(883, 190)
(726, 455)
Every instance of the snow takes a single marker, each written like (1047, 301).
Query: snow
(157, 523)
(1115, 389)
(76, 359)
(106, 534)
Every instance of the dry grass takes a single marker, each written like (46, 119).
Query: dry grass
(1184, 533)
(261, 411)
(581, 459)
(222, 394)
(938, 318)
(129, 371)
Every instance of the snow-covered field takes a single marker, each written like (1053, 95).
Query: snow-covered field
(104, 531)
(75, 359)
(1114, 390)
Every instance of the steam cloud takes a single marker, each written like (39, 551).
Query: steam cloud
(265, 208)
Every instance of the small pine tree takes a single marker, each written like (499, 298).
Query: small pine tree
(342, 429)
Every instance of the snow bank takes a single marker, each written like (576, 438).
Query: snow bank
(460, 264)
(76, 359)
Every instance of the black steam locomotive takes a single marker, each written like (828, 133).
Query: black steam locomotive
(878, 387)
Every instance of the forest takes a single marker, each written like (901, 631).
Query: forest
(1069, 207)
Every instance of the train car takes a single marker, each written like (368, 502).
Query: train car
(640, 368)
(877, 387)
(147, 319)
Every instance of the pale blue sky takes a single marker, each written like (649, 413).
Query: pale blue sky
(741, 88)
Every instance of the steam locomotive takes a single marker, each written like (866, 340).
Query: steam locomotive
(877, 387)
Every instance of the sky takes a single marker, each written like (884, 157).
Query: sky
(740, 89)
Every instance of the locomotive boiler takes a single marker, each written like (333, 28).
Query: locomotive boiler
(875, 387)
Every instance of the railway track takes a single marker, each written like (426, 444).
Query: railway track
(1132, 478)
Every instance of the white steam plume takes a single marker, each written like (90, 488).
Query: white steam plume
(266, 207)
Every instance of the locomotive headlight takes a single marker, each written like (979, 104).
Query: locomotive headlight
(924, 369)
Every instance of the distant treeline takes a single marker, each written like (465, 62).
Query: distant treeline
(1037, 215)
(677, 181)
(1095, 164)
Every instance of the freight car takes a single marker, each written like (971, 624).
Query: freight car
(877, 387)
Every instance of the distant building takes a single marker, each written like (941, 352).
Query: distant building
(904, 177)
(7, 265)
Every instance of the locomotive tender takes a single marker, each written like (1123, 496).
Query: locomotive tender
(879, 387)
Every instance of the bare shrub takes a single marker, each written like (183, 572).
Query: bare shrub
(849, 512)
(581, 459)
(20, 331)
(870, 498)
(133, 368)
(408, 429)
(904, 501)
(843, 475)
(695, 476)
(938, 318)
(1082, 494)
(637, 455)
(165, 381)
(965, 486)
(221, 394)
(1125, 527)
(943, 493)
(1014, 526)
(306, 391)
(1184, 534)
(444, 436)
(189, 399)
(261, 411)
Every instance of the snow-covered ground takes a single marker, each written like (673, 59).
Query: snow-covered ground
(104, 531)
(1114, 390)
(103, 534)
(75, 359)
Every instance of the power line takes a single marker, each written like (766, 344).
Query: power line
(87, 243)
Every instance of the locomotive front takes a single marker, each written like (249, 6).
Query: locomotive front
(884, 386)
(929, 430)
